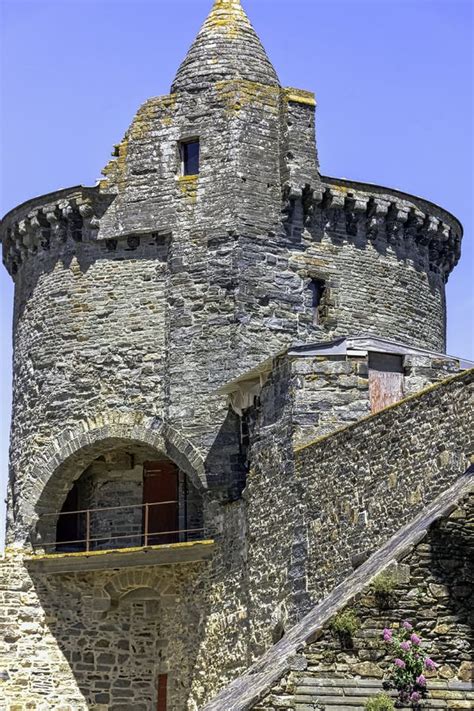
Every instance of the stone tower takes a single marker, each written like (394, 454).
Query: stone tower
(211, 244)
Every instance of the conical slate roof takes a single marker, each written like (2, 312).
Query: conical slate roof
(227, 47)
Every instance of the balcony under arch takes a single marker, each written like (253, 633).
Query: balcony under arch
(131, 505)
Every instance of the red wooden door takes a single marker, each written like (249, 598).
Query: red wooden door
(386, 380)
(162, 704)
(160, 492)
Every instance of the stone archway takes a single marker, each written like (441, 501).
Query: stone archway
(66, 457)
(123, 584)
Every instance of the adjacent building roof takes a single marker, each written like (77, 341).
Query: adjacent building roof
(227, 47)
(346, 345)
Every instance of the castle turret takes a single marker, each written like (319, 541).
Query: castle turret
(226, 48)
(210, 245)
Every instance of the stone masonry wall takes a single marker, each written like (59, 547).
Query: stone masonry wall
(362, 269)
(83, 324)
(359, 484)
(432, 588)
(98, 641)
(346, 494)
(149, 293)
(331, 392)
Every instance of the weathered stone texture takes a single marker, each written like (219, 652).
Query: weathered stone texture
(432, 588)
(345, 494)
(330, 392)
(136, 301)
(276, 670)
(99, 641)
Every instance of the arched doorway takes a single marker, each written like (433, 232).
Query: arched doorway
(129, 495)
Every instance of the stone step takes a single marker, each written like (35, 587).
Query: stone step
(319, 691)
(339, 683)
(332, 700)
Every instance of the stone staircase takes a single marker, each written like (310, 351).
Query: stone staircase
(260, 687)
(351, 694)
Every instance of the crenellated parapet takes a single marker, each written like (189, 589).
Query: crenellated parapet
(412, 226)
(50, 220)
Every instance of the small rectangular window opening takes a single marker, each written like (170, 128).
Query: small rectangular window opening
(190, 157)
(318, 290)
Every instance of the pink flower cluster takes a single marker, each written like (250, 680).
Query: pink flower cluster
(407, 675)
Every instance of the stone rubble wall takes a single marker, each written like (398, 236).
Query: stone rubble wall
(67, 644)
(344, 495)
(363, 482)
(431, 588)
(100, 639)
(331, 392)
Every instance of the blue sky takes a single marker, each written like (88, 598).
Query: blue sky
(393, 79)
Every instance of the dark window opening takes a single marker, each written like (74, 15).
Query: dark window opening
(278, 633)
(190, 154)
(319, 291)
(68, 526)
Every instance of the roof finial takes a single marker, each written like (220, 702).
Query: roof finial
(226, 12)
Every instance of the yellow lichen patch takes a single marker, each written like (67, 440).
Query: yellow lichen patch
(188, 185)
(227, 14)
(143, 122)
(167, 101)
(114, 171)
(308, 261)
(119, 551)
(160, 108)
(299, 96)
(239, 93)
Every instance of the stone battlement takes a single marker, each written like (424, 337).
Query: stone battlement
(387, 215)
(382, 214)
(73, 213)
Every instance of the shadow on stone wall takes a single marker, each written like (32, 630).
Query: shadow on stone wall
(226, 462)
(68, 262)
(115, 647)
(451, 545)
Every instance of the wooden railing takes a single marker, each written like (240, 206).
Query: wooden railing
(86, 520)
